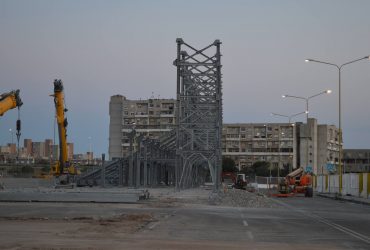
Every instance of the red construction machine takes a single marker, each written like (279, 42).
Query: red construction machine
(234, 180)
(295, 182)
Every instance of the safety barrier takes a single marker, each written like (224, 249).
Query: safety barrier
(354, 184)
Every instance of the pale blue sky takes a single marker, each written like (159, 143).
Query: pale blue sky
(103, 48)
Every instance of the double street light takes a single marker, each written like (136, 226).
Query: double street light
(306, 99)
(290, 116)
(339, 67)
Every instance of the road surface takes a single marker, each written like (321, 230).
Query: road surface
(295, 223)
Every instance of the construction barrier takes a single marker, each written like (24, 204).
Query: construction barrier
(354, 184)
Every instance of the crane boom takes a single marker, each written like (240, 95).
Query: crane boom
(62, 166)
(9, 101)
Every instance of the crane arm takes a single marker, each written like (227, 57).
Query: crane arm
(62, 166)
(62, 125)
(9, 101)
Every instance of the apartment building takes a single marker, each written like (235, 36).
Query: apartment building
(27, 144)
(38, 150)
(356, 160)
(151, 117)
(328, 148)
(70, 150)
(310, 145)
(48, 147)
(247, 143)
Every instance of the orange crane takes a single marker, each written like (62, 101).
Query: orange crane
(63, 167)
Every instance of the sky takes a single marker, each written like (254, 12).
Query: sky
(103, 48)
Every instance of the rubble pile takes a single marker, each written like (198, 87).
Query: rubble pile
(242, 198)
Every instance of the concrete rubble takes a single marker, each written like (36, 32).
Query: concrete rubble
(242, 198)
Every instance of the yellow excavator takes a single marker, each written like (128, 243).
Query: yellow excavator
(63, 167)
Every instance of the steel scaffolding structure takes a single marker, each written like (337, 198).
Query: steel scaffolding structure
(183, 156)
(199, 112)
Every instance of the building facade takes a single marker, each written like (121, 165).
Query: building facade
(328, 148)
(356, 160)
(38, 150)
(27, 144)
(247, 143)
(151, 117)
(309, 145)
(48, 148)
(285, 145)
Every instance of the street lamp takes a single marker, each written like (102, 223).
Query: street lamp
(290, 116)
(11, 134)
(328, 91)
(339, 67)
(306, 99)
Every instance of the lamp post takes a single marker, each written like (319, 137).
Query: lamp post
(339, 67)
(306, 99)
(11, 134)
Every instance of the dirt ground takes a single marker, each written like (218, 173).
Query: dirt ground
(118, 231)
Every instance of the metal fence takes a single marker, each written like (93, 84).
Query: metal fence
(262, 182)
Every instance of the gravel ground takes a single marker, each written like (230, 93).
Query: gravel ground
(242, 198)
(204, 196)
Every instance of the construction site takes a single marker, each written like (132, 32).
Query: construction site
(168, 190)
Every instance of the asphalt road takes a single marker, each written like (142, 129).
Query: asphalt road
(296, 223)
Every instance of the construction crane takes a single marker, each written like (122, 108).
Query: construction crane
(10, 101)
(62, 167)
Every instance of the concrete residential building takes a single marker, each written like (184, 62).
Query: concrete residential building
(247, 143)
(70, 151)
(328, 148)
(356, 160)
(282, 144)
(48, 148)
(38, 150)
(151, 117)
(309, 145)
(55, 152)
(27, 144)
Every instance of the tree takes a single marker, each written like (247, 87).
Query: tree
(228, 165)
(261, 168)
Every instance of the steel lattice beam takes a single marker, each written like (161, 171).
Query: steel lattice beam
(199, 111)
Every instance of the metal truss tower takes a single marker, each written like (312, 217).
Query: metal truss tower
(199, 113)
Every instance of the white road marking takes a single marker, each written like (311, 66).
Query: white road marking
(153, 225)
(343, 229)
(245, 223)
(250, 235)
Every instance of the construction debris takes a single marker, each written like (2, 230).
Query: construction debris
(242, 198)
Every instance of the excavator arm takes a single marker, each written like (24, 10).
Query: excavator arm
(9, 101)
